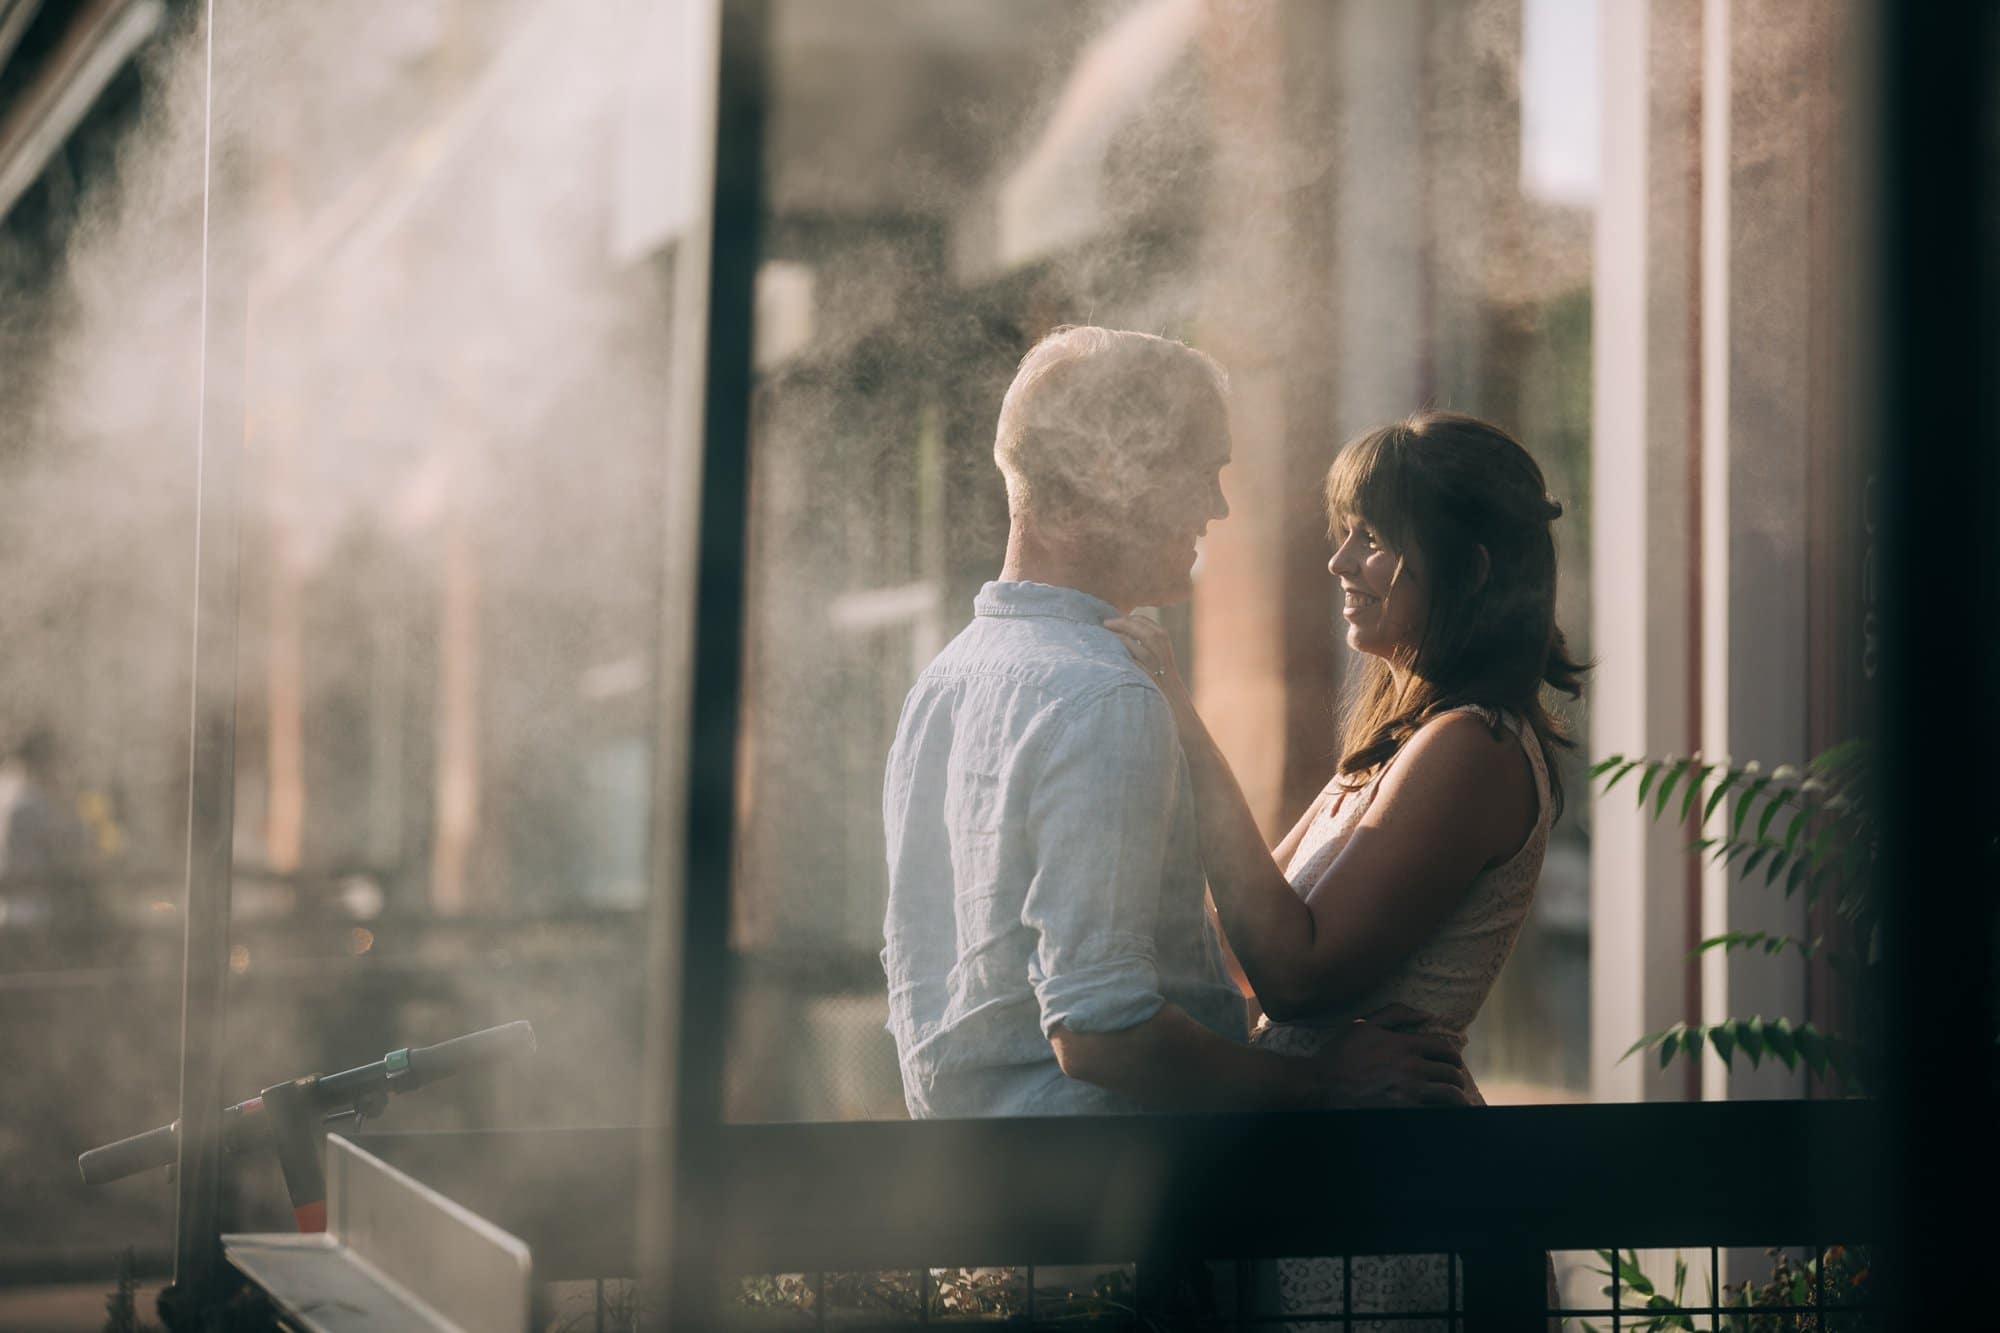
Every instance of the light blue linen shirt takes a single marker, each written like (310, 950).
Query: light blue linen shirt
(1043, 867)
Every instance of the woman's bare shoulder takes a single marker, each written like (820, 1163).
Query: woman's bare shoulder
(1464, 735)
(1456, 767)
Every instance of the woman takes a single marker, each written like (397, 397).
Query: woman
(1409, 877)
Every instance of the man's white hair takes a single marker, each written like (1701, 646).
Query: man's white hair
(1091, 410)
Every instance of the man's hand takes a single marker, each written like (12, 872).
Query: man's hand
(1373, 1063)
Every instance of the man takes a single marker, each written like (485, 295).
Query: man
(1048, 946)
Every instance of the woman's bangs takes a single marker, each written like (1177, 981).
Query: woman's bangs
(1366, 480)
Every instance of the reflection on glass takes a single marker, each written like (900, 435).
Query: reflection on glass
(452, 234)
(1345, 205)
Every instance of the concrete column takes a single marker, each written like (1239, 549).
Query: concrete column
(1757, 316)
(1263, 656)
(1641, 437)
(1381, 279)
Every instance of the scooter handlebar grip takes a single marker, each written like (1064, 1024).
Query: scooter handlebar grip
(128, 1157)
(489, 1046)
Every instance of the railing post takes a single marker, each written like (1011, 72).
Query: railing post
(199, 1273)
(1936, 335)
(689, 956)
(1506, 1290)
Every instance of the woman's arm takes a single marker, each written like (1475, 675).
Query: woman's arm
(1453, 802)
(1281, 855)
(1169, 1062)
(1443, 812)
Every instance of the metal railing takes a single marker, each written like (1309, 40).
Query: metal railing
(1496, 1189)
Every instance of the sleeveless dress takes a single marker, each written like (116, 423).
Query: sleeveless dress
(1448, 976)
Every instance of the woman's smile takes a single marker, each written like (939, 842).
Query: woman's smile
(1357, 603)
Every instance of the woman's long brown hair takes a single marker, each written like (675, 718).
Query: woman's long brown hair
(1439, 486)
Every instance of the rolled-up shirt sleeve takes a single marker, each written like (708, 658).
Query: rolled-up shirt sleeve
(1099, 818)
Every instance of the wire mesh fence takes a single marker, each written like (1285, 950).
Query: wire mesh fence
(1814, 1289)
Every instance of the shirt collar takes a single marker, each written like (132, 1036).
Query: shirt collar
(1041, 599)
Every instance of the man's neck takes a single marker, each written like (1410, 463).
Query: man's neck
(1031, 558)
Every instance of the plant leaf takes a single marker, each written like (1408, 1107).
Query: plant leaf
(1625, 768)
(1793, 829)
(1755, 857)
(1836, 757)
(1602, 766)
(1779, 860)
(1778, 1036)
(1735, 939)
(1812, 1047)
(1674, 775)
(1635, 1278)
(1743, 801)
(1729, 851)
(1771, 809)
(1671, 1043)
(1693, 792)
(1721, 789)
(1653, 771)
(1749, 1038)
(1641, 1045)
(1768, 941)
(1720, 1037)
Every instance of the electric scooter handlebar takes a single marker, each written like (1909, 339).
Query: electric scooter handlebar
(128, 1157)
(488, 1046)
(409, 1069)
(244, 1127)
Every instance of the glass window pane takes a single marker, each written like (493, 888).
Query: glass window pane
(1358, 210)
(446, 253)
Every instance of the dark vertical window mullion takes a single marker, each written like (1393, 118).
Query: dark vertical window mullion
(707, 847)
(1937, 332)
(211, 810)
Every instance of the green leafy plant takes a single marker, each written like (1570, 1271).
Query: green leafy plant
(1843, 1279)
(1840, 1282)
(1653, 1310)
(1809, 831)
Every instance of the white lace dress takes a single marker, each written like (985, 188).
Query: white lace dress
(1447, 976)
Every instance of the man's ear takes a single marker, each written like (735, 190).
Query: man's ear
(1483, 562)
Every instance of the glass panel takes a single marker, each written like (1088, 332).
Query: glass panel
(1357, 210)
(466, 246)
(447, 239)
(101, 347)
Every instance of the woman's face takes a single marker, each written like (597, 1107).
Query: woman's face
(1384, 601)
